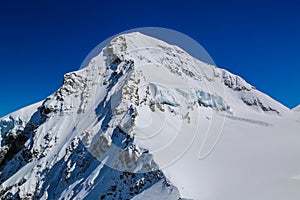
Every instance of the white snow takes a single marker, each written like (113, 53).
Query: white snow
(142, 104)
(297, 108)
(158, 191)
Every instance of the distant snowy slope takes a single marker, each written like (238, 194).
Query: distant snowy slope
(11, 129)
(25, 112)
(145, 120)
(297, 108)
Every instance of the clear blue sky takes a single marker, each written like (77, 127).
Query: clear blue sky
(42, 40)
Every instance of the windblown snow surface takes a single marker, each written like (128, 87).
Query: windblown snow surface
(145, 120)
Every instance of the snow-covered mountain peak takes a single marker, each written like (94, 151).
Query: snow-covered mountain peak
(143, 116)
(147, 54)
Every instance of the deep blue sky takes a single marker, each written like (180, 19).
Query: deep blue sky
(42, 40)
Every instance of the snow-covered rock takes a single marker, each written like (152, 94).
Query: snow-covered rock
(145, 120)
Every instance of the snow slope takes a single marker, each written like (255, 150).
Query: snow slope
(12, 126)
(145, 120)
(297, 108)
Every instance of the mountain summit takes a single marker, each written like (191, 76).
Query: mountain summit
(145, 120)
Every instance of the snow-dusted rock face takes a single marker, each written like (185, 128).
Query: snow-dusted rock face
(145, 120)
(14, 129)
